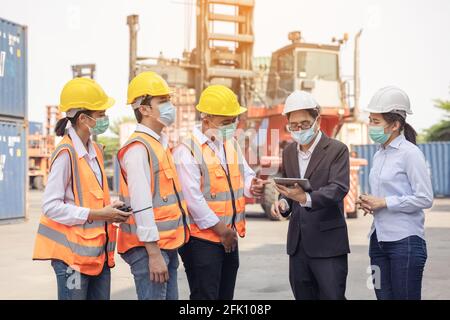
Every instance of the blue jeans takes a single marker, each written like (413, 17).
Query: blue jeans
(401, 264)
(73, 285)
(138, 260)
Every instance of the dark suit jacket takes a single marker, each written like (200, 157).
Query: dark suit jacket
(322, 228)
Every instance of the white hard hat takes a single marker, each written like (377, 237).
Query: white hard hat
(389, 99)
(299, 100)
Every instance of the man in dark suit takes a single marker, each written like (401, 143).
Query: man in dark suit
(317, 242)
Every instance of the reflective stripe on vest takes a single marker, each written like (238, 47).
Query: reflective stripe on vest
(162, 226)
(169, 230)
(83, 247)
(80, 250)
(216, 199)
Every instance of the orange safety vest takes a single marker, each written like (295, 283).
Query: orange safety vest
(82, 247)
(169, 206)
(224, 192)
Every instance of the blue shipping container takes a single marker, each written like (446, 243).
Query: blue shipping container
(437, 155)
(35, 127)
(13, 170)
(13, 70)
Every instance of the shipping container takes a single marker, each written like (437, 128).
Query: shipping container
(13, 169)
(35, 128)
(13, 70)
(437, 155)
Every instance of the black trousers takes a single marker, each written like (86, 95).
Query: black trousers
(210, 271)
(317, 278)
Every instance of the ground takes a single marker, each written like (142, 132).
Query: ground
(264, 264)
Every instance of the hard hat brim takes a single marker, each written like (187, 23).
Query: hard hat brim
(233, 114)
(111, 101)
(131, 99)
(298, 109)
(370, 110)
(241, 111)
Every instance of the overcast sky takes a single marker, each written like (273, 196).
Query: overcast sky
(405, 43)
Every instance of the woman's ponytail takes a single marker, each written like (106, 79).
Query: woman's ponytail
(60, 128)
(410, 133)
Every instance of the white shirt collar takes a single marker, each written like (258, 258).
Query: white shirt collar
(79, 145)
(394, 143)
(199, 135)
(309, 152)
(161, 138)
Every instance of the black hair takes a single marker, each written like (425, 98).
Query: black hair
(60, 127)
(314, 113)
(409, 132)
(138, 115)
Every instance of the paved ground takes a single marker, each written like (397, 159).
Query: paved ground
(264, 264)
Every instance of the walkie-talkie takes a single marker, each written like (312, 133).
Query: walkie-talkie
(125, 208)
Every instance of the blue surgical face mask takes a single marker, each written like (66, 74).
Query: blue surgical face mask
(167, 113)
(304, 137)
(376, 133)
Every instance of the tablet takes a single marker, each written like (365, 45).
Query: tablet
(289, 182)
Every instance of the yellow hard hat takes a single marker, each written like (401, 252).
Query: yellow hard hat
(84, 93)
(147, 83)
(219, 100)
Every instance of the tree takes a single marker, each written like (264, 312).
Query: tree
(115, 126)
(111, 145)
(441, 130)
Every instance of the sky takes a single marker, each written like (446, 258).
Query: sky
(404, 43)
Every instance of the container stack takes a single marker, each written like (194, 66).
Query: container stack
(13, 120)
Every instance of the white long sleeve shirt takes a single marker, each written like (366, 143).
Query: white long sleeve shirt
(136, 166)
(303, 161)
(58, 202)
(190, 178)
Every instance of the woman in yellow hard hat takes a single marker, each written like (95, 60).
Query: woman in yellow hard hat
(76, 231)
